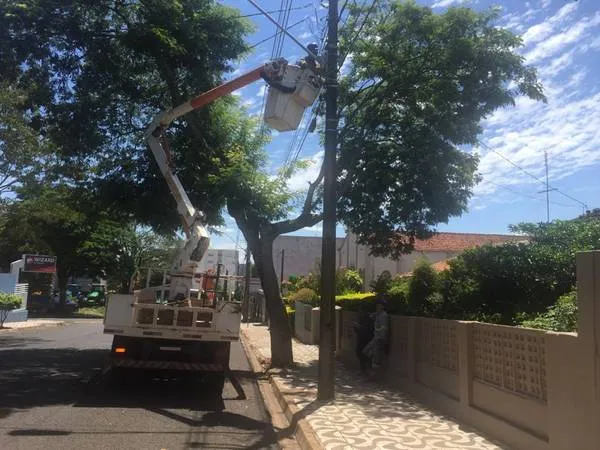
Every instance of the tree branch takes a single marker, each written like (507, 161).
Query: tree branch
(306, 217)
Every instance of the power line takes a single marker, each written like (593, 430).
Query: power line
(276, 34)
(564, 194)
(357, 34)
(308, 5)
(533, 197)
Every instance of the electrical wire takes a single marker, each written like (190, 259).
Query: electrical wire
(274, 35)
(357, 34)
(525, 171)
(522, 194)
(308, 5)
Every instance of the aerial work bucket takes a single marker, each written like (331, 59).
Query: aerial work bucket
(287, 100)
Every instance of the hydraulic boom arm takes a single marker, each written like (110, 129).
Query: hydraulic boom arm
(193, 220)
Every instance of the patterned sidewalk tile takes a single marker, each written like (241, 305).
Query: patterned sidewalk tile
(365, 415)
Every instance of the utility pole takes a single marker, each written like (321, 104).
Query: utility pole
(245, 306)
(326, 389)
(281, 275)
(547, 190)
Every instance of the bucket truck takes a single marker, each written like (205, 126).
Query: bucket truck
(183, 325)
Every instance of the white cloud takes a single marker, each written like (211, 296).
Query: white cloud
(261, 90)
(568, 129)
(300, 179)
(446, 3)
(556, 43)
(545, 3)
(542, 30)
(305, 35)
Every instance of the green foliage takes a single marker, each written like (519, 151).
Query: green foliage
(354, 302)
(382, 284)
(96, 74)
(347, 281)
(397, 295)
(423, 284)
(496, 283)
(304, 295)
(417, 89)
(120, 250)
(293, 282)
(8, 302)
(291, 314)
(21, 149)
(562, 316)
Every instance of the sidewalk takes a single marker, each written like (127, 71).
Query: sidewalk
(30, 323)
(364, 414)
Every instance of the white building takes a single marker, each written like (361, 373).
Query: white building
(229, 260)
(437, 249)
(302, 254)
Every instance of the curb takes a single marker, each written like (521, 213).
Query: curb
(41, 325)
(306, 438)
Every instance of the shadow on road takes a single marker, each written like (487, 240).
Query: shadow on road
(31, 377)
(43, 377)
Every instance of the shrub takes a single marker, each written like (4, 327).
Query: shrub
(499, 283)
(304, 295)
(354, 302)
(293, 282)
(291, 313)
(562, 316)
(423, 283)
(347, 281)
(8, 302)
(382, 284)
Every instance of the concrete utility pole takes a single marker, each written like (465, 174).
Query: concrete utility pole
(547, 190)
(326, 389)
(281, 275)
(245, 306)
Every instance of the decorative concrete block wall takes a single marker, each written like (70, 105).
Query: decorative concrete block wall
(529, 388)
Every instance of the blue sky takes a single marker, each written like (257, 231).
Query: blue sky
(562, 39)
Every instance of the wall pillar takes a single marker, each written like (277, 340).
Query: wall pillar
(588, 299)
(464, 332)
(411, 351)
(573, 367)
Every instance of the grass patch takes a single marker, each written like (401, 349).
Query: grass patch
(96, 312)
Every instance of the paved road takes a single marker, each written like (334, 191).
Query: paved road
(53, 395)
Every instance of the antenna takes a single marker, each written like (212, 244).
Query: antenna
(548, 189)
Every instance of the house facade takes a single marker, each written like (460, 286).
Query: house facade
(302, 254)
(437, 250)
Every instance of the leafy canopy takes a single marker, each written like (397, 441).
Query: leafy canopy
(416, 91)
(98, 71)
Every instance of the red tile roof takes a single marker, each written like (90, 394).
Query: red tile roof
(457, 242)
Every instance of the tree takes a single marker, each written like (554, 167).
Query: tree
(21, 148)
(8, 302)
(53, 220)
(417, 88)
(510, 282)
(401, 171)
(423, 283)
(99, 71)
(120, 251)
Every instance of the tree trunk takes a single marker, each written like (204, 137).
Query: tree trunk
(281, 334)
(62, 275)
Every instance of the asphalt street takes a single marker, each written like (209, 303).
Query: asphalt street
(54, 394)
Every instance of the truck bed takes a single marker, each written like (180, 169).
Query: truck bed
(126, 317)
